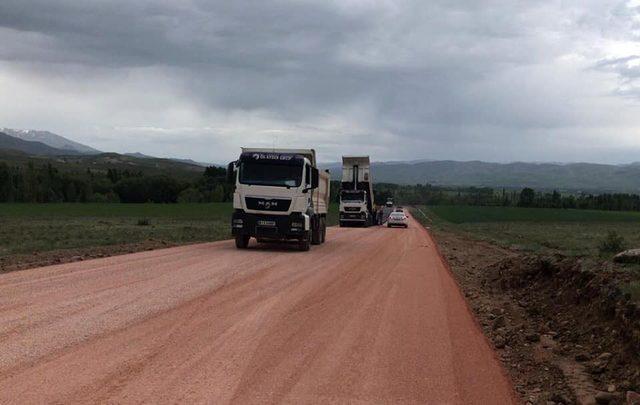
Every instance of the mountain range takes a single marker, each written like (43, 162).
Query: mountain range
(586, 177)
(45, 143)
(9, 142)
(50, 139)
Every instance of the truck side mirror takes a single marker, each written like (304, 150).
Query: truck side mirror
(231, 172)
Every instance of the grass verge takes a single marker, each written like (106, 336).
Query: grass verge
(570, 232)
(53, 232)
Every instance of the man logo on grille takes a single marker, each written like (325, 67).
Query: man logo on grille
(267, 205)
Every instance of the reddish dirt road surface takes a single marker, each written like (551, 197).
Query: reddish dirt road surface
(372, 316)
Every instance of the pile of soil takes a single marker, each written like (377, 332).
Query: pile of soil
(582, 308)
(562, 327)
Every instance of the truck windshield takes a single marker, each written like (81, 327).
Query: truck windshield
(270, 174)
(356, 196)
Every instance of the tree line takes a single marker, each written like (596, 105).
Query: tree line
(426, 194)
(46, 184)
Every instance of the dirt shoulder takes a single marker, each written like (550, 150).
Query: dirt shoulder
(41, 259)
(565, 333)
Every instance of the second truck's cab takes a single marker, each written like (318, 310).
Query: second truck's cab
(356, 192)
(353, 207)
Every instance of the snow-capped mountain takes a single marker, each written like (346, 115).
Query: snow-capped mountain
(51, 139)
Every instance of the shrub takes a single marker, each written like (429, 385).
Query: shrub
(633, 289)
(527, 197)
(157, 189)
(190, 195)
(612, 243)
(98, 198)
(217, 195)
(112, 197)
(133, 190)
(143, 222)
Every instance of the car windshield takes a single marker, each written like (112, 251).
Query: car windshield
(352, 196)
(270, 174)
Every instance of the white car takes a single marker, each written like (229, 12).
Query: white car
(397, 219)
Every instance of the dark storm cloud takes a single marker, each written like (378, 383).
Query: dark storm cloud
(449, 75)
(248, 35)
(232, 54)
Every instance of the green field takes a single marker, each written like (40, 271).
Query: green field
(38, 228)
(211, 211)
(33, 229)
(468, 214)
(572, 232)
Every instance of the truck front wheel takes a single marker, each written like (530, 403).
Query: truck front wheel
(304, 244)
(242, 241)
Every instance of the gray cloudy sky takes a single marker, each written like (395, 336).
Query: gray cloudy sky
(414, 79)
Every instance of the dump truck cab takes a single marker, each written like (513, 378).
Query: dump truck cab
(356, 192)
(280, 195)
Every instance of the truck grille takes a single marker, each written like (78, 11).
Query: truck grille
(267, 204)
(352, 209)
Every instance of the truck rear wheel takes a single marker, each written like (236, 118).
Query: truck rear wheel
(242, 241)
(323, 230)
(304, 243)
(316, 232)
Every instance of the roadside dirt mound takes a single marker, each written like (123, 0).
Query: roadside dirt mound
(562, 327)
(592, 320)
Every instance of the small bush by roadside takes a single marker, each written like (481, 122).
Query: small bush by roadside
(612, 243)
(633, 289)
(143, 222)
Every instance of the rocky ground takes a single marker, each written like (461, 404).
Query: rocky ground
(563, 330)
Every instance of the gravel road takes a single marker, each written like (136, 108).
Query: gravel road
(371, 316)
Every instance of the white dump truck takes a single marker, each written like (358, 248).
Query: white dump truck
(280, 195)
(356, 192)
